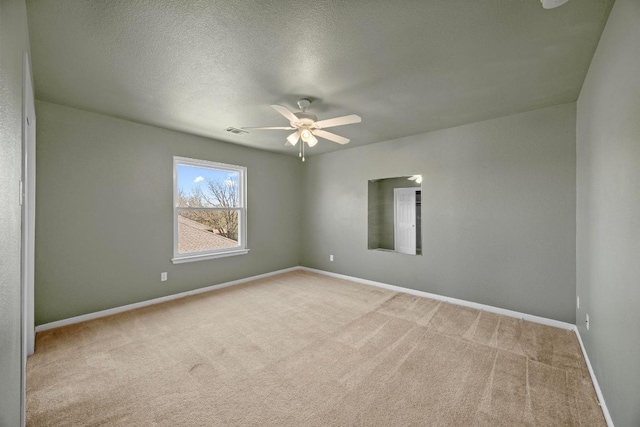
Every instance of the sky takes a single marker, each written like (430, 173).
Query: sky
(190, 177)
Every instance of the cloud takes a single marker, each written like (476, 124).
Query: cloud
(198, 179)
(229, 183)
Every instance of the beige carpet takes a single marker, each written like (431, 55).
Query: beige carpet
(301, 349)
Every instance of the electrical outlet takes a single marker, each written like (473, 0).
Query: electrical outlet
(578, 302)
(163, 277)
(587, 321)
(331, 258)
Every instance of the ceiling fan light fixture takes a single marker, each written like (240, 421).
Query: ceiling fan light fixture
(551, 4)
(306, 135)
(293, 138)
(312, 141)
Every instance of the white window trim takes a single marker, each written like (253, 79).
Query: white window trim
(241, 249)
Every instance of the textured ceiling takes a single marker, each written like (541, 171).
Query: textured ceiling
(406, 67)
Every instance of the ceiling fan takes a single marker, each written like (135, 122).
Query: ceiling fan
(307, 126)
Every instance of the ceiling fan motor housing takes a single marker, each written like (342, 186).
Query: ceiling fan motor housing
(305, 118)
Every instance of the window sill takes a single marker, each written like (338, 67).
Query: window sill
(192, 258)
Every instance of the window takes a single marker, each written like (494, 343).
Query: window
(209, 210)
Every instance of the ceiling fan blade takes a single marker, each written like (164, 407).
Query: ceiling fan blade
(330, 136)
(339, 121)
(270, 128)
(285, 112)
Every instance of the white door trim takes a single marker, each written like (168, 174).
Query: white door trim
(28, 201)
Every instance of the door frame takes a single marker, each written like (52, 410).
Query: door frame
(28, 202)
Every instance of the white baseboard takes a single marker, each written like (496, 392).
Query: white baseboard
(603, 405)
(484, 307)
(115, 310)
(489, 308)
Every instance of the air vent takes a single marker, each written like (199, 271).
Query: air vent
(236, 131)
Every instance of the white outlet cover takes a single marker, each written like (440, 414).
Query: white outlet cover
(163, 276)
(587, 317)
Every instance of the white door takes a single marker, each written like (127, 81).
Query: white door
(405, 220)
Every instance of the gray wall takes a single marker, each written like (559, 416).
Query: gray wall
(608, 212)
(14, 41)
(104, 212)
(498, 212)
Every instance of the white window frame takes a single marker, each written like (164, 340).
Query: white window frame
(241, 249)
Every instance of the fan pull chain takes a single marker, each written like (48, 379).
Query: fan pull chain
(302, 148)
